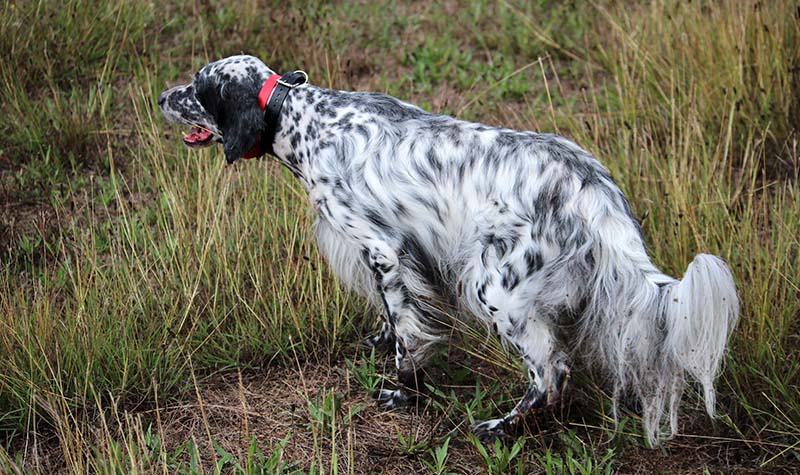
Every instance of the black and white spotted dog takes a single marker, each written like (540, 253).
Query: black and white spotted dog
(432, 219)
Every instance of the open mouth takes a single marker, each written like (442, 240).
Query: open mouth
(199, 137)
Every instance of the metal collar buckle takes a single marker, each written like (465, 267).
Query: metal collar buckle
(292, 86)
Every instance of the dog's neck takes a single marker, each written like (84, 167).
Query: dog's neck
(300, 130)
(271, 97)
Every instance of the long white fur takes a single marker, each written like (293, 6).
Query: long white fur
(697, 314)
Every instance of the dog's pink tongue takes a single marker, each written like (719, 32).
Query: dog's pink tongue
(197, 135)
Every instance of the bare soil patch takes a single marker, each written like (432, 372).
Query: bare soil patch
(232, 408)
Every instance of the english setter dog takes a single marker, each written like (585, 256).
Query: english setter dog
(432, 219)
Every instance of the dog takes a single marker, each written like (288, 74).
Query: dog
(431, 219)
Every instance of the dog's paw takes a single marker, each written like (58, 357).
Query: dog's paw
(491, 430)
(389, 399)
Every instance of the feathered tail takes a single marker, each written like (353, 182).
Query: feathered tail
(700, 312)
(650, 329)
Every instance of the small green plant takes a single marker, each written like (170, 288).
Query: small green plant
(475, 409)
(577, 458)
(255, 461)
(366, 373)
(499, 460)
(410, 444)
(29, 243)
(324, 410)
(439, 455)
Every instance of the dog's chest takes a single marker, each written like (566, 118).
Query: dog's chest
(344, 257)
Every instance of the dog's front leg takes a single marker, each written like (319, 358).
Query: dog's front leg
(406, 322)
(385, 339)
(410, 326)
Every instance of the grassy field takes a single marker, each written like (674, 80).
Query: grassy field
(161, 312)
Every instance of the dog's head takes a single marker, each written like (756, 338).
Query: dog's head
(220, 104)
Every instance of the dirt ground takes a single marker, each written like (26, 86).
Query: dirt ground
(270, 404)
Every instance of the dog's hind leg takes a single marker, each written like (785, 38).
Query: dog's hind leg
(505, 303)
(548, 371)
(546, 382)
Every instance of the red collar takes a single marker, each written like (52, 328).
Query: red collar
(263, 99)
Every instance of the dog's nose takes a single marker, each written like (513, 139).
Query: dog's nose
(161, 99)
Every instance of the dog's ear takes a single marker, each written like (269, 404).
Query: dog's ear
(241, 122)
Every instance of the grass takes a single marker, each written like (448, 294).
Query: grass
(156, 303)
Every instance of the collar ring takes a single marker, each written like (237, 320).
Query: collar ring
(292, 86)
